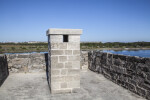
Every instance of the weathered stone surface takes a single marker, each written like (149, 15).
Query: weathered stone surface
(57, 52)
(55, 72)
(66, 46)
(34, 87)
(27, 62)
(57, 79)
(55, 85)
(68, 52)
(54, 59)
(56, 38)
(23, 56)
(73, 71)
(76, 52)
(3, 68)
(56, 32)
(57, 65)
(76, 78)
(129, 72)
(62, 58)
(84, 60)
(74, 46)
(62, 46)
(37, 62)
(35, 55)
(54, 46)
(76, 64)
(74, 84)
(74, 38)
(68, 65)
(58, 46)
(64, 71)
(64, 85)
(148, 95)
(73, 58)
(12, 56)
(62, 91)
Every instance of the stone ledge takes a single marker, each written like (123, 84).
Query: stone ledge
(53, 31)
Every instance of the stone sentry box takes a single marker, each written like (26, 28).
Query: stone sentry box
(64, 60)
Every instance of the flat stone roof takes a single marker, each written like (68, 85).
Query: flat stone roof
(34, 86)
(55, 31)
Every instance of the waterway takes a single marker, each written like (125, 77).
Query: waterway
(140, 53)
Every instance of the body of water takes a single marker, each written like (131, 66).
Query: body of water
(140, 53)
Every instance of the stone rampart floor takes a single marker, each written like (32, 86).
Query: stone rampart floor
(33, 86)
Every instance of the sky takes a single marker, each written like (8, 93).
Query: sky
(101, 20)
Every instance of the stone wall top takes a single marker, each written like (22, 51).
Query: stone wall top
(1, 55)
(54, 31)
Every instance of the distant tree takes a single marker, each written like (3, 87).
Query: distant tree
(24, 48)
(13, 48)
(45, 46)
(37, 48)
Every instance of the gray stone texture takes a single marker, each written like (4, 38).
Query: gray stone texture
(84, 60)
(132, 73)
(66, 53)
(3, 68)
(27, 62)
(55, 31)
(33, 86)
(18, 63)
(73, 46)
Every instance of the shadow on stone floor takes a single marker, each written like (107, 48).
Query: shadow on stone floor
(47, 70)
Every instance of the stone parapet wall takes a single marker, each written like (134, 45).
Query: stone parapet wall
(132, 73)
(3, 68)
(36, 62)
(84, 60)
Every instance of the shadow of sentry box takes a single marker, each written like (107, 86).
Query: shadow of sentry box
(64, 60)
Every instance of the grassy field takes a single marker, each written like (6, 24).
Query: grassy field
(19, 48)
(43, 47)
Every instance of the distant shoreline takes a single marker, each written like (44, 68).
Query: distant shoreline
(115, 49)
(43, 47)
(118, 49)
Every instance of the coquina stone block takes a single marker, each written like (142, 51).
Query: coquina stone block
(23, 63)
(132, 73)
(64, 59)
(37, 62)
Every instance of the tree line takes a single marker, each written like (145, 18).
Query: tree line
(24, 43)
(116, 44)
(93, 44)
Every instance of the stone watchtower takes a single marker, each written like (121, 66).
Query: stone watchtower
(64, 59)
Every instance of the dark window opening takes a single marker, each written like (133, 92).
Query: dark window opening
(65, 38)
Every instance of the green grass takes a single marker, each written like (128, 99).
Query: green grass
(43, 47)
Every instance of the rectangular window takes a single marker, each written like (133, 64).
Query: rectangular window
(65, 38)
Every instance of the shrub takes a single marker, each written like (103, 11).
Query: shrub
(13, 48)
(24, 48)
(37, 49)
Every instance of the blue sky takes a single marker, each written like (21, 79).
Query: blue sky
(101, 20)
